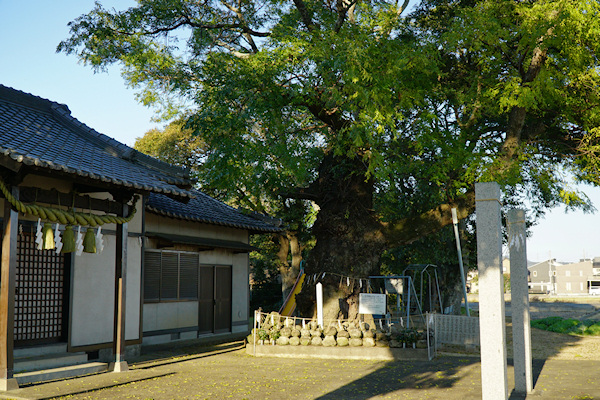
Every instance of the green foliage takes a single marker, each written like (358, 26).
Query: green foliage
(506, 279)
(175, 145)
(265, 282)
(424, 105)
(427, 101)
(569, 326)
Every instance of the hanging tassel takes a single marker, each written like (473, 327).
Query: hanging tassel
(57, 241)
(99, 240)
(39, 236)
(79, 242)
(47, 237)
(68, 240)
(89, 241)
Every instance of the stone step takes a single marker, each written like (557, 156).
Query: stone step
(61, 373)
(48, 361)
(23, 352)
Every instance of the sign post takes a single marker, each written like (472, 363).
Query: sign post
(320, 304)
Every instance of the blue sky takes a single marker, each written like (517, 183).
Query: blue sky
(30, 30)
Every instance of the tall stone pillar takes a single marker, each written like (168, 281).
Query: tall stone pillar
(520, 301)
(494, 382)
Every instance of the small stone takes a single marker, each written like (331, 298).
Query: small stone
(304, 341)
(380, 335)
(368, 342)
(368, 334)
(283, 341)
(356, 342)
(382, 343)
(305, 333)
(296, 332)
(364, 326)
(316, 333)
(298, 327)
(329, 341)
(395, 343)
(316, 341)
(343, 334)
(355, 333)
(287, 332)
(342, 341)
(331, 331)
(294, 341)
(250, 339)
(314, 325)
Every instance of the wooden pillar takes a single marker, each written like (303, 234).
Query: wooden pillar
(120, 365)
(7, 295)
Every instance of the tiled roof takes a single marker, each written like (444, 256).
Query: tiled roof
(203, 208)
(41, 133)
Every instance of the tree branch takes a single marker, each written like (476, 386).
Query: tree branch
(301, 194)
(304, 14)
(411, 229)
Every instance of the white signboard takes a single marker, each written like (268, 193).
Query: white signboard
(371, 303)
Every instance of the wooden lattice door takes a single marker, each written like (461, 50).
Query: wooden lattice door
(41, 294)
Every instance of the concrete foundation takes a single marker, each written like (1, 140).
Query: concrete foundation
(342, 353)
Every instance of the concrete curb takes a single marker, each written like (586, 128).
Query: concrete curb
(344, 353)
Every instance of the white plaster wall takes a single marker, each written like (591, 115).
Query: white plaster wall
(239, 278)
(93, 293)
(172, 315)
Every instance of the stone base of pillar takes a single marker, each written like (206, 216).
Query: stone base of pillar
(8, 384)
(118, 366)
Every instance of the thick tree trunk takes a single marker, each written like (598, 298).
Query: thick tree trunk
(289, 245)
(349, 237)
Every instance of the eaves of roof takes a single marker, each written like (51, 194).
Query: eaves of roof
(237, 247)
(40, 133)
(203, 208)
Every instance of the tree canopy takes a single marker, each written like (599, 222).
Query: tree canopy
(383, 119)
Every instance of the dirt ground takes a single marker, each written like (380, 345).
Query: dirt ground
(564, 368)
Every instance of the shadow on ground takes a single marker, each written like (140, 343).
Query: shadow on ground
(434, 379)
(437, 375)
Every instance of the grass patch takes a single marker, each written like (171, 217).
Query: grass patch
(569, 326)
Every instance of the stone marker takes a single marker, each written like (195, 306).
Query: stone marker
(520, 301)
(494, 379)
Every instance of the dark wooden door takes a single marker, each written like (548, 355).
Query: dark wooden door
(41, 294)
(214, 300)
(206, 300)
(222, 299)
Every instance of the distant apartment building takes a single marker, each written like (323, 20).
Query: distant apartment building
(574, 278)
(578, 278)
(542, 276)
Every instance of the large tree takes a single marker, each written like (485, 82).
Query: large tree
(384, 121)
